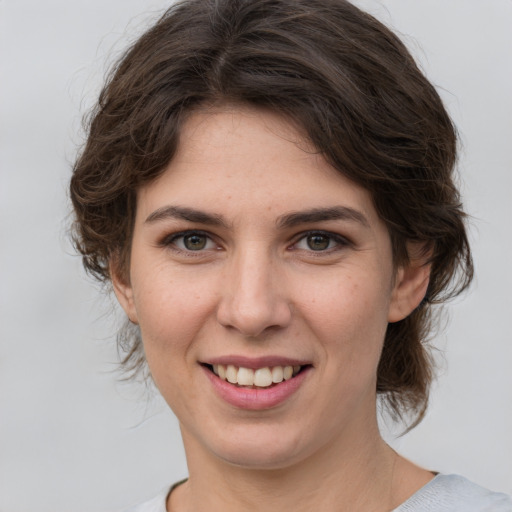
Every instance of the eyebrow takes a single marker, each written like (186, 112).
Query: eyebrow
(288, 220)
(183, 213)
(322, 214)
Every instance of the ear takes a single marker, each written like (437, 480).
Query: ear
(123, 291)
(411, 283)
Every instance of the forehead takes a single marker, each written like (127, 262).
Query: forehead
(248, 160)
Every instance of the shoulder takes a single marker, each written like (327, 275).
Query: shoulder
(454, 493)
(157, 504)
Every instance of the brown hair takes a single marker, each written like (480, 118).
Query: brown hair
(324, 64)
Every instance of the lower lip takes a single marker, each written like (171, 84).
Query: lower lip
(256, 399)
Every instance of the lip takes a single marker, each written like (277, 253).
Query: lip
(256, 399)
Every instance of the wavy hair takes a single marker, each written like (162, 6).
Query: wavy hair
(338, 73)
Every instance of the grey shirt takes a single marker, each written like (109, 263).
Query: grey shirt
(454, 493)
(444, 493)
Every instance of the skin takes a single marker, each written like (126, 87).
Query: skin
(256, 287)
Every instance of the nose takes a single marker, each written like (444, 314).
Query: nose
(253, 300)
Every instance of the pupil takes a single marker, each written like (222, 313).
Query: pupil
(318, 242)
(195, 242)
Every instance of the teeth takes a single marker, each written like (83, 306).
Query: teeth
(231, 374)
(245, 377)
(262, 377)
(277, 374)
(287, 372)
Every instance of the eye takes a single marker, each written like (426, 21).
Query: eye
(194, 242)
(190, 241)
(320, 241)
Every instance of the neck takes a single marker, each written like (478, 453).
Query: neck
(353, 473)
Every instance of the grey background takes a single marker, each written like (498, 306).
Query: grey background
(72, 438)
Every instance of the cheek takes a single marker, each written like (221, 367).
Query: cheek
(171, 308)
(170, 316)
(358, 300)
(348, 315)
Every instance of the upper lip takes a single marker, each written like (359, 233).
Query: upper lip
(256, 362)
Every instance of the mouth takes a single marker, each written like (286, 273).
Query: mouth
(256, 384)
(255, 378)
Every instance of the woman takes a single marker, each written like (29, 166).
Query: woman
(269, 187)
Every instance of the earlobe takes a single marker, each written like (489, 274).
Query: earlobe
(410, 288)
(124, 293)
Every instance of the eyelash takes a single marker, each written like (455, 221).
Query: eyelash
(340, 242)
(170, 241)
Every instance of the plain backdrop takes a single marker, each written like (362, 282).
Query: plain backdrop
(74, 438)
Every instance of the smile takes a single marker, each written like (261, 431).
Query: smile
(256, 384)
(259, 377)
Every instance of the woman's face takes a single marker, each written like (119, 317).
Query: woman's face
(252, 257)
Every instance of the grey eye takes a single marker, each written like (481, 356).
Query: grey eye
(195, 242)
(321, 241)
(318, 242)
(190, 241)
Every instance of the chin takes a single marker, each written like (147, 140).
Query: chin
(257, 458)
(260, 452)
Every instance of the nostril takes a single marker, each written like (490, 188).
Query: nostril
(254, 318)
